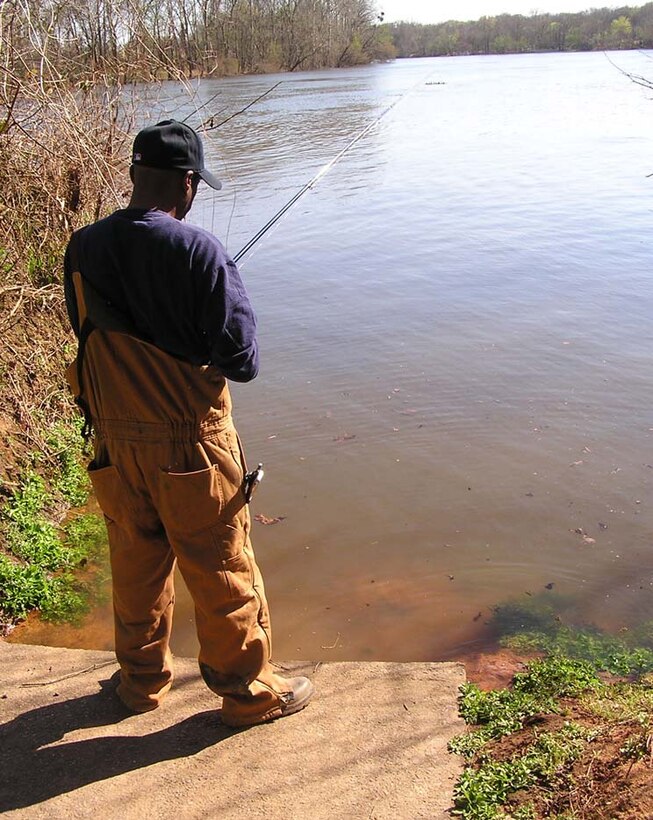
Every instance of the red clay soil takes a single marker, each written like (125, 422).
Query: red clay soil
(493, 669)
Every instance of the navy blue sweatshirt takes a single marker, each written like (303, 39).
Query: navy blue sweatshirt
(175, 284)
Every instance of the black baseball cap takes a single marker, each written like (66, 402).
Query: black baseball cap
(172, 145)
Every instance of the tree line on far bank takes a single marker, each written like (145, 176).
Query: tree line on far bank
(625, 27)
(155, 39)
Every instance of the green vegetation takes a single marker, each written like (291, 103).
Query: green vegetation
(623, 702)
(71, 481)
(481, 792)
(535, 775)
(37, 569)
(525, 750)
(500, 712)
(51, 585)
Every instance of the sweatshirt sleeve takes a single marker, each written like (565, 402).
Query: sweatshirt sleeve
(228, 319)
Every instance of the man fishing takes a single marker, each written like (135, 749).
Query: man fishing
(163, 320)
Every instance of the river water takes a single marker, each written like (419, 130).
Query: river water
(455, 402)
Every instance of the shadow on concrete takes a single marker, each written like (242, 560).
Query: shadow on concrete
(33, 770)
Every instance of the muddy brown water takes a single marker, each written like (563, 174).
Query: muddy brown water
(455, 401)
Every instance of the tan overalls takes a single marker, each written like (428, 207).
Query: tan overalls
(168, 474)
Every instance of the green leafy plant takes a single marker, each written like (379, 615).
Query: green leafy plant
(482, 791)
(22, 587)
(556, 677)
(29, 534)
(38, 569)
(499, 712)
(66, 443)
(85, 536)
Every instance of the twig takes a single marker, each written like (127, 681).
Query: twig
(16, 307)
(334, 644)
(72, 674)
(634, 78)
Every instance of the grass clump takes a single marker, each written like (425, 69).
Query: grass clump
(623, 702)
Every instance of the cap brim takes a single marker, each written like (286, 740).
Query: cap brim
(208, 177)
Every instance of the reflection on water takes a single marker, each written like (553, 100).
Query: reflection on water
(454, 407)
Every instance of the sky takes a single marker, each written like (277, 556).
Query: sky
(436, 11)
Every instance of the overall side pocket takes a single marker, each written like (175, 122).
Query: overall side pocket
(107, 486)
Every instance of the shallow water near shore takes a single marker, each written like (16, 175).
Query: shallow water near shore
(455, 401)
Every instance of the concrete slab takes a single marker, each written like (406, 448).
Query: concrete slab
(372, 744)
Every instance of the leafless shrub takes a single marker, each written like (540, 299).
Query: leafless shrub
(62, 164)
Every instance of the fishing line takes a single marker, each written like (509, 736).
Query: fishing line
(321, 173)
(203, 105)
(208, 125)
(231, 216)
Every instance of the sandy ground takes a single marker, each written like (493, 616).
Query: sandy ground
(372, 744)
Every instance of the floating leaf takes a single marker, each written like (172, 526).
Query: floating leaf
(264, 519)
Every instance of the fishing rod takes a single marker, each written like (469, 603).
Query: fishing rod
(203, 105)
(321, 173)
(208, 124)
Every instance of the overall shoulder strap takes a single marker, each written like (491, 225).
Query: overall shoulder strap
(86, 327)
(76, 277)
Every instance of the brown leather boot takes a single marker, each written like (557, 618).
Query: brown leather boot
(301, 691)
